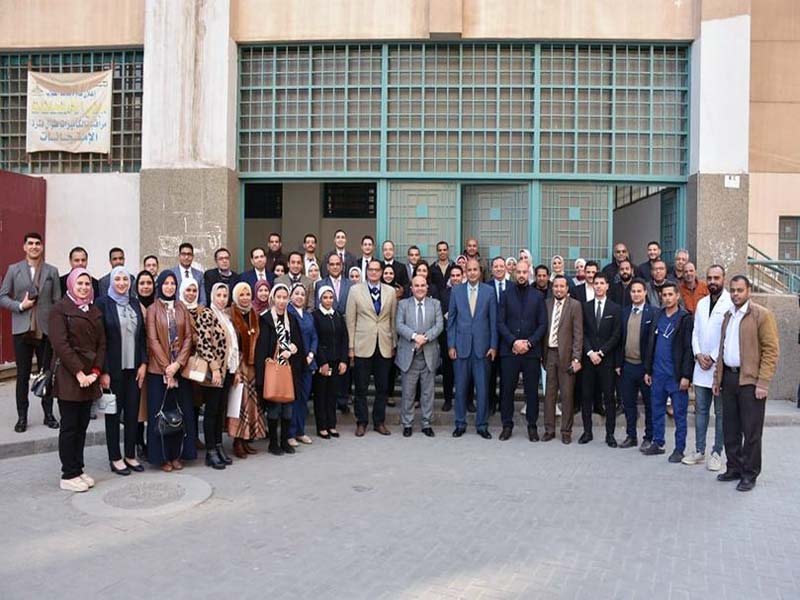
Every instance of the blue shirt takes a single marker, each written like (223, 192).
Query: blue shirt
(666, 330)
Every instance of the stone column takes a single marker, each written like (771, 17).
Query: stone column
(716, 205)
(189, 185)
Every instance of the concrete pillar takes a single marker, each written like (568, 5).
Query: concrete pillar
(189, 185)
(718, 189)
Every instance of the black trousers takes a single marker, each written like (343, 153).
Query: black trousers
(72, 436)
(24, 351)
(216, 401)
(495, 377)
(599, 379)
(448, 375)
(510, 368)
(742, 425)
(378, 367)
(325, 389)
(127, 392)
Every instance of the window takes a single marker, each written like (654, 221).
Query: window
(789, 238)
(126, 111)
(263, 201)
(349, 200)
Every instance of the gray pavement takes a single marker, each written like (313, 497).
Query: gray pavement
(411, 518)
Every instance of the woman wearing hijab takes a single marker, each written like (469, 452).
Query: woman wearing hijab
(297, 429)
(169, 344)
(354, 275)
(79, 350)
(145, 294)
(261, 297)
(557, 267)
(145, 289)
(461, 261)
(188, 294)
(511, 264)
(125, 367)
(249, 425)
(525, 254)
(331, 359)
(217, 345)
(280, 336)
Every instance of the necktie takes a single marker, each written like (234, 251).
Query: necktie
(376, 298)
(261, 277)
(336, 289)
(598, 313)
(341, 257)
(419, 317)
(187, 274)
(556, 323)
(636, 310)
(473, 299)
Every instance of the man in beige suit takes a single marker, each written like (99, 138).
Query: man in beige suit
(563, 343)
(370, 317)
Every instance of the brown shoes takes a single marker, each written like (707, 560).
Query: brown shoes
(177, 464)
(548, 436)
(361, 429)
(248, 448)
(238, 449)
(566, 438)
(382, 429)
(167, 468)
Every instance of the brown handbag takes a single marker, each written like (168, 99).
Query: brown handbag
(196, 369)
(278, 381)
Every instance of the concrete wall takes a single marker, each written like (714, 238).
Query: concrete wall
(787, 314)
(772, 195)
(97, 212)
(71, 23)
(637, 224)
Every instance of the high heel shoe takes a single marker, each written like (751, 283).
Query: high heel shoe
(137, 468)
(124, 472)
(334, 433)
(324, 435)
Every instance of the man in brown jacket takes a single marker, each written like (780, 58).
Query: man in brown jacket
(748, 356)
(561, 355)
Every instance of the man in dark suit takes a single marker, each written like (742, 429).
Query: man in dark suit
(440, 269)
(221, 274)
(584, 292)
(636, 321)
(472, 345)
(498, 282)
(620, 290)
(522, 322)
(563, 348)
(340, 248)
(414, 256)
(274, 251)
(258, 259)
(185, 270)
(612, 269)
(644, 270)
(79, 259)
(29, 291)
(602, 329)
(448, 377)
(367, 255)
(541, 281)
(400, 271)
(116, 258)
(341, 285)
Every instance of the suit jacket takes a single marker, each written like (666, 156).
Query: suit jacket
(439, 278)
(433, 324)
(331, 339)
(251, 278)
(365, 329)
(213, 276)
(113, 362)
(340, 303)
(305, 282)
(522, 315)
(472, 335)
(349, 261)
(579, 293)
(268, 342)
(15, 285)
(759, 346)
(105, 283)
(158, 346)
(620, 294)
(570, 331)
(197, 275)
(682, 356)
(648, 314)
(95, 286)
(606, 338)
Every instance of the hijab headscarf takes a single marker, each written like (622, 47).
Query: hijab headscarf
(320, 308)
(120, 299)
(258, 305)
(357, 270)
(146, 301)
(185, 285)
(237, 290)
(72, 283)
(162, 279)
(232, 345)
(524, 253)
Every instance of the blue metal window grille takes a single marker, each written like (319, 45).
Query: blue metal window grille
(444, 109)
(423, 214)
(126, 108)
(669, 223)
(497, 215)
(575, 221)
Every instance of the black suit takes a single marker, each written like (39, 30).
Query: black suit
(601, 337)
(437, 277)
(579, 293)
(213, 276)
(448, 376)
(621, 294)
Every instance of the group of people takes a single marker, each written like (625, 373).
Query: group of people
(172, 343)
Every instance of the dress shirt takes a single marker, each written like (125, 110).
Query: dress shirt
(261, 275)
(730, 354)
(499, 287)
(589, 292)
(558, 309)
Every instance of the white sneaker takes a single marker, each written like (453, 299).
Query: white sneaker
(87, 480)
(524, 410)
(694, 458)
(558, 410)
(714, 462)
(74, 485)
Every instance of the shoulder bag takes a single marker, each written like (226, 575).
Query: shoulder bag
(278, 381)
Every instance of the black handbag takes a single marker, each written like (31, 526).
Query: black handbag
(42, 384)
(169, 421)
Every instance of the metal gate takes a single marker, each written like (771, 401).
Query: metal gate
(422, 214)
(497, 216)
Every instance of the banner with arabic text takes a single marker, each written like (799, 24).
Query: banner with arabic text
(69, 112)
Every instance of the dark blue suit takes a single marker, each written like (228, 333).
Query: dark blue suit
(472, 336)
(340, 304)
(632, 381)
(251, 278)
(123, 381)
(522, 316)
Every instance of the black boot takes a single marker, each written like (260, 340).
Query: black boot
(285, 437)
(213, 460)
(223, 456)
(274, 446)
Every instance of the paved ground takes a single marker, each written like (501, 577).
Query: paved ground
(416, 518)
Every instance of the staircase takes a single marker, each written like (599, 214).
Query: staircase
(771, 276)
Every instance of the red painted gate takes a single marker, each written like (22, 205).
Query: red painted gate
(22, 209)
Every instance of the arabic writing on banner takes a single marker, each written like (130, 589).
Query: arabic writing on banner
(69, 112)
